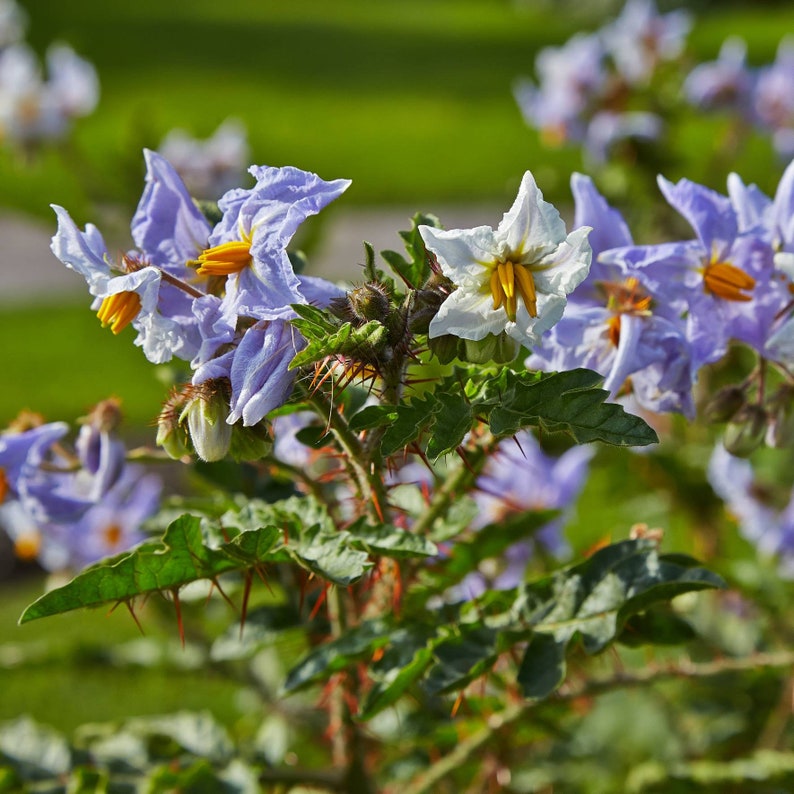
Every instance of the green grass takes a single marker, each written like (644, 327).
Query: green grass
(59, 361)
(411, 99)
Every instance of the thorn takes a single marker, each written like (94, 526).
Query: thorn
(178, 608)
(244, 606)
(130, 609)
(216, 583)
(458, 700)
(378, 508)
(319, 602)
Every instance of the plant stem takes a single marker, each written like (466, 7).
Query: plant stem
(469, 747)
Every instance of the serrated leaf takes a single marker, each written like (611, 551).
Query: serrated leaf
(337, 654)
(180, 558)
(461, 659)
(567, 402)
(346, 340)
(415, 270)
(330, 555)
(391, 541)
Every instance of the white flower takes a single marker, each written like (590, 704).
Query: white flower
(514, 279)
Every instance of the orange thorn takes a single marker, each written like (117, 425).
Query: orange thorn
(244, 606)
(128, 604)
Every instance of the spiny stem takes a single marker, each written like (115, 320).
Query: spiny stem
(468, 748)
(368, 476)
(459, 482)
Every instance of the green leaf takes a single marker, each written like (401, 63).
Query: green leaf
(408, 655)
(416, 270)
(330, 555)
(357, 643)
(180, 558)
(346, 340)
(542, 669)
(390, 541)
(461, 658)
(568, 402)
(297, 529)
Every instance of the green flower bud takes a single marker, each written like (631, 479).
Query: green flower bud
(500, 349)
(205, 413)
(445, 348)
(172, 435)
(724, 404)
(781, 417)
(250, 443)
(746, 431)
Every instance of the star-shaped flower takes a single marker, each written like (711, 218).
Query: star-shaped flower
(514, 279)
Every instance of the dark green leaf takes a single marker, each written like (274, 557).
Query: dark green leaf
(542, 669)
(567, 402)
(338, 654)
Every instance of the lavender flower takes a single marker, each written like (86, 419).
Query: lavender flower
(521, 477)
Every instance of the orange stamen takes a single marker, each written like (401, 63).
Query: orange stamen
(727, 281)
(27, 546)
(225, 259)
(508, 283)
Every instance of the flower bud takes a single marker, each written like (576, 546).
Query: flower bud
(781, 417)
(250, 443)
(172, 436)
(370, 301)
(206, 414)
(746, 431)
(724, 404)
(500, 349)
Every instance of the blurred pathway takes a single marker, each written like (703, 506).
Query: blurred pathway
(29, 272)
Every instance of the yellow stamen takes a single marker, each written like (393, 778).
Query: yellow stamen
(496, 289)
(119, 310)
(727, 281)
(27, 546)
(508, 283)
(526, 289)
(225, 259)
(613, 329)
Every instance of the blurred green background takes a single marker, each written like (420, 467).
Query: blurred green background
(411, 99)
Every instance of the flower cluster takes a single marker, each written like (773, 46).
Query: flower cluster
(209, 167)
(589, 89)
(520, 478)
(761, 97)
(34, 109)
(649, 317)
(68, 507)
(217, 296)
(763, 520)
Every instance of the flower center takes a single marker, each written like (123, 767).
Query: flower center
(508, 283)
(112, 535)
(225, 259)
(727, 281)
(27, 546)
(119, 310)
(626, 297)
